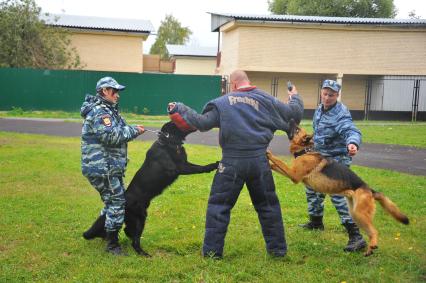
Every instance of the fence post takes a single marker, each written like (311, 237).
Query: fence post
(224, 85)
(367, 99)
(415, 103)
(319, 92)
(274, 86)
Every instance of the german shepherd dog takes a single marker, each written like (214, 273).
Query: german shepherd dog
(164, 162)
(326, 176)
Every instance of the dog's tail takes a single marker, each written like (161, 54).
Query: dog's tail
(390, 207)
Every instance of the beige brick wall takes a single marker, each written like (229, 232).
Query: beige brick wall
(229, 49)
(353, 92)
(307, 54)
(324, 49)
(308, 85)
(195, 65)
(109, 52)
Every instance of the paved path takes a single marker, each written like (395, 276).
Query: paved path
(399, 158)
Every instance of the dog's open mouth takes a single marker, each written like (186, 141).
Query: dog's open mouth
(307, 140)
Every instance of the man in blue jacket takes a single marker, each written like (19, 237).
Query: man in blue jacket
(247, 118)
(335, 136)
(104, 153)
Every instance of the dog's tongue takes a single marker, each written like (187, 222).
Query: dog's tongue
(181, 123)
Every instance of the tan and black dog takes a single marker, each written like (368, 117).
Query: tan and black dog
(329, 177)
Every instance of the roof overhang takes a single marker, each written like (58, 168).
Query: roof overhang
(219, 21)
(98, 24)
(106, 31)
(193, 57)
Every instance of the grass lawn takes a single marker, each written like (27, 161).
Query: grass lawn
(409, 134)
(46, 204)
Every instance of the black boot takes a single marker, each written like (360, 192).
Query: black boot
(97, 230)
(113, 246)
(356, 242)
(315, 223)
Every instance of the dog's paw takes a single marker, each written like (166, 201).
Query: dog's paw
(144, 253)
(212, 167)
(140, 251)
(370, 250)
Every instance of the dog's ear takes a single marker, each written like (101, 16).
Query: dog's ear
(291, 129)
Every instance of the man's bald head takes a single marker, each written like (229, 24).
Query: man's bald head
(239, 78)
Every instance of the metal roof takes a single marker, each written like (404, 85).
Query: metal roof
(98, 23)
(219, 19)
(183, 50)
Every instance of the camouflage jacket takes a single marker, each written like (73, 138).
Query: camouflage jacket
(104, 138)
(334, 130)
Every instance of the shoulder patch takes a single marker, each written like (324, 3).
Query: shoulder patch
(106, 120)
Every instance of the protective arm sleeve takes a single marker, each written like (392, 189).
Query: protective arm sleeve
(202, 122)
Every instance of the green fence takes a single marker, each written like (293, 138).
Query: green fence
(33, 89)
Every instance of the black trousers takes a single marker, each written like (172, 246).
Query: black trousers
(230, 178)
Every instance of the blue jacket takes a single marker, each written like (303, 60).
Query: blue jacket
(334, 130)
(247, 120)
(104, 138)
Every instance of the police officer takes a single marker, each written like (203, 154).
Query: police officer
(104, 153)
(335, 136)
(247, 118)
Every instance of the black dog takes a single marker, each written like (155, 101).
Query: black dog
(164, 162)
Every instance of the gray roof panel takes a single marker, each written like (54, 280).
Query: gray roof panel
(89, 22)
(218, 19)
(183, 50)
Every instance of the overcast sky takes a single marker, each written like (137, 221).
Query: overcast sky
(190, 13)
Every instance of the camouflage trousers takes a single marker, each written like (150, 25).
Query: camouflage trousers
(112, 191)
(316, 200)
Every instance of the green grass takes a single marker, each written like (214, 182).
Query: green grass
(409, 134)
(46, 204)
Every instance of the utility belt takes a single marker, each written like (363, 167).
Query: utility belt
(243, 153)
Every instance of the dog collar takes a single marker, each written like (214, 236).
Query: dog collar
(168, 140)
(302, 152)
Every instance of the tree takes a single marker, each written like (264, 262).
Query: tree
(170, 32)
(412, 15)
(334, 8)
(27, 41)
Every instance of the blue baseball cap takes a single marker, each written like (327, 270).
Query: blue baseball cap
(108, 82)
(331, 85)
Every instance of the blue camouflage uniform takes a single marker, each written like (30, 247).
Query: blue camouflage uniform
(247, 120)
(333, 131)
(104, 155)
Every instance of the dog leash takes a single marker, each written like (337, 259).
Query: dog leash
(157, 132)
